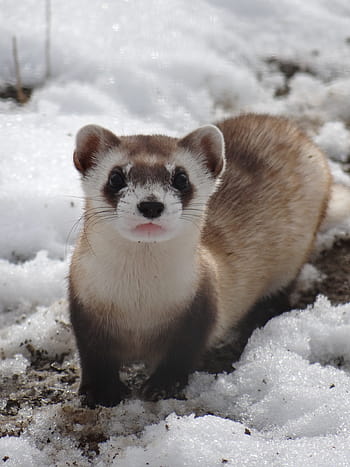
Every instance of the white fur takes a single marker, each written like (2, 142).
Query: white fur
(204, 183)
(127, 217)
(141, 286)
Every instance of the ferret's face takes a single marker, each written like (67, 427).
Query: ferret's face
(149, 188)
(148, 198)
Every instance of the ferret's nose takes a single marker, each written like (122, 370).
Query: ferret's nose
(150, 209)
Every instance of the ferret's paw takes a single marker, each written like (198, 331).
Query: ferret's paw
(107, 395)
(157, 388)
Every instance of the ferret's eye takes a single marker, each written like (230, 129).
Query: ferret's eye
(181, 181)
(116, 181)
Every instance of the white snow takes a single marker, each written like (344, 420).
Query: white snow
(334, 139)
(154, 66)
(40, 280)
(46, 329)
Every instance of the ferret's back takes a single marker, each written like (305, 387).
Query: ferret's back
(262, 221)
(275, 176)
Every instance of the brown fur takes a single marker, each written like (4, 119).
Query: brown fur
(274, 192)
(140, 145)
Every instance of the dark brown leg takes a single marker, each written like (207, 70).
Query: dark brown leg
(186, 342)
(100, 382)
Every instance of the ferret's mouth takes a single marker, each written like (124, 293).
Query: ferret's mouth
(149, 228)
(149, 232)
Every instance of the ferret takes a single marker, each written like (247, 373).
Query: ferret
(181, 239)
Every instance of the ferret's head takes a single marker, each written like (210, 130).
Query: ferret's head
(149, 188)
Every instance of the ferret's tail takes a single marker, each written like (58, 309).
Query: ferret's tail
(338, 210)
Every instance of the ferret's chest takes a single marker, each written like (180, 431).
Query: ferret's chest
(137, 290)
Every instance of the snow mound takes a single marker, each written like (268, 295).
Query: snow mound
(46, 331)
(286, 403)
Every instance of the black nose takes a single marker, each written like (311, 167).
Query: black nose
(150, 209)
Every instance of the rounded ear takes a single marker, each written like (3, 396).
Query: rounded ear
(207, 143)
(90, 141)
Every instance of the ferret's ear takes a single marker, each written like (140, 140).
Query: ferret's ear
(207, 143)
(91, 140)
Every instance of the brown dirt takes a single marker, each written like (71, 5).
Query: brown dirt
(335, 264)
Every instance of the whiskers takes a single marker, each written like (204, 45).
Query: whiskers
(92, 215)
(194, 219)
(76, 225)
(72, 230)
(194, 214)
(99, 214)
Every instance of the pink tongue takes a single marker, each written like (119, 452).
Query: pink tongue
(148, 228)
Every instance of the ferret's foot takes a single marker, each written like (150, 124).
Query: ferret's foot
(159, 387)
(107, 395)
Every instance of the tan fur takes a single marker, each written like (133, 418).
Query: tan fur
(262, 223)
(257, 232)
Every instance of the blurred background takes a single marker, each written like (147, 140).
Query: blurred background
(171, 64)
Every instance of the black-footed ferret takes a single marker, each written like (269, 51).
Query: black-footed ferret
(181, 238)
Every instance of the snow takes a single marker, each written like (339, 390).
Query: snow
(168, 67)
(45, 329)
(334, 139)
(41, 280)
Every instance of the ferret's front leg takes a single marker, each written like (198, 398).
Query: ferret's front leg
(100, 381)
(99, 361)
(186, 343)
